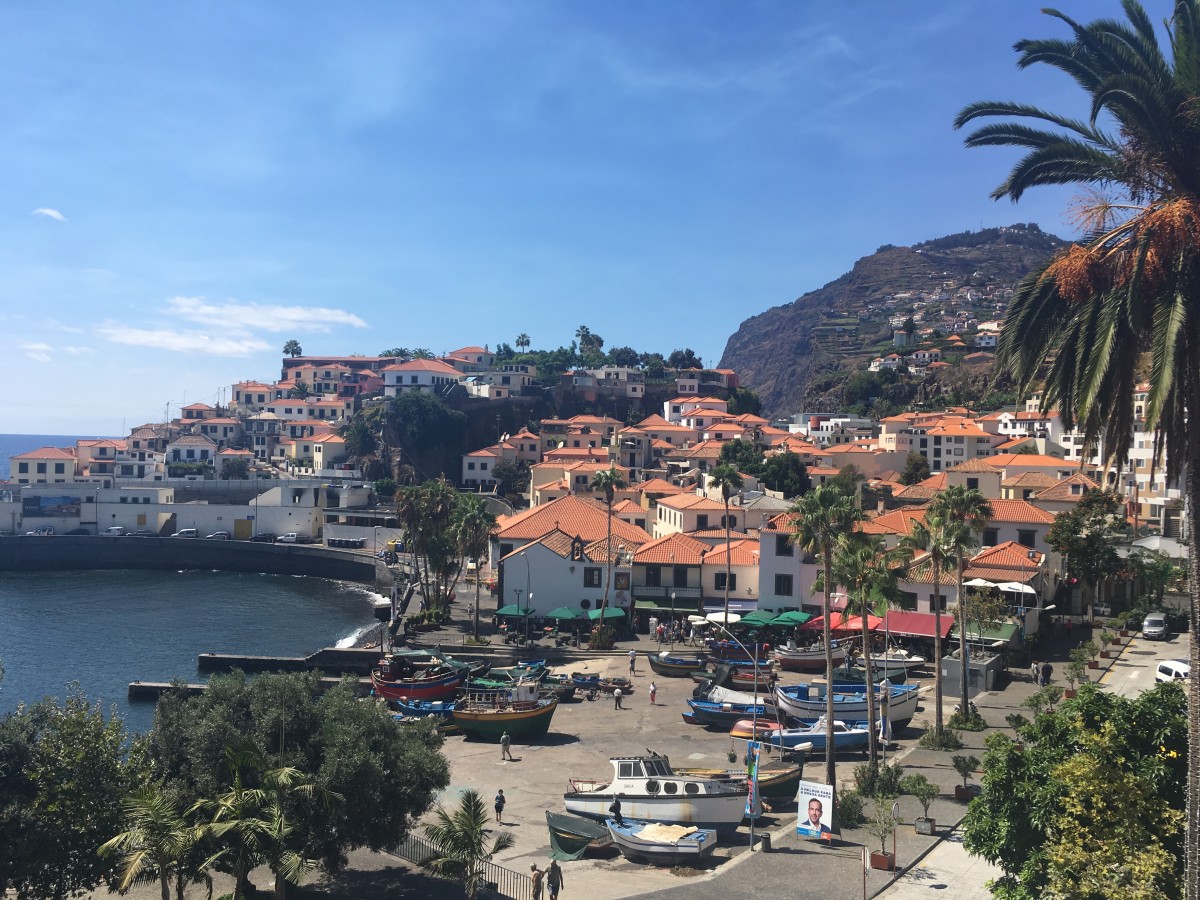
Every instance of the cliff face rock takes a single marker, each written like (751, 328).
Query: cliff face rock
(844, 324)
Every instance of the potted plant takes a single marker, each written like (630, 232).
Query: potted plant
(1091, 649)
(882, 825)
(1122, 623)
(926, 792)
(965, 766)
(1073, 673)
(1016, 722)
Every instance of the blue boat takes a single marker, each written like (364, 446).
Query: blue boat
(897, 703)
(846, 736)
(661, 845)
(423, 707)
(726, 715)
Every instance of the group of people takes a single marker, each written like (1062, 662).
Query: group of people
(552, 876)
(1041, 672)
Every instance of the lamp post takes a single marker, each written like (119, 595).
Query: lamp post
(376, 530)
(529, 600)
(672, 620)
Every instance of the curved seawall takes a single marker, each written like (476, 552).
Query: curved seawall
(76, 552)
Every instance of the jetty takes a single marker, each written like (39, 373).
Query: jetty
(150, 691)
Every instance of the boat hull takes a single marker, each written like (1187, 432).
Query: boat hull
(791, 738)
(521, 724)
(850, 702)
(417, 689)
(807, 660)
(673, 668)
(720, 812)
(693, 847)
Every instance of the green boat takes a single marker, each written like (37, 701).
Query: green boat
(521, 713)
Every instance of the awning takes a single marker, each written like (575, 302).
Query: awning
(915, 624)
(1007, 633)
(513, 610)
(759, 617)
(563, 612)
(856, 623)
(681, 606)
(1016, 587)
(735, 606)
(792, 617)
(721, 619)
(979, 582)
(610, 613)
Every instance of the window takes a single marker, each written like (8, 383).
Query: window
(730, 523)
(653, 576)
(679, 577)
(990, 537)
(41, 467)
(23, 468)
(719, 583)
(972, 484)
(701, 522)
(783, 545)
(483, 467)
(1026, 538)
(591, 577)
(783, 585)
(470, 467)
(505, 549)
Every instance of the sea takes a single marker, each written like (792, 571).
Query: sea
(12, 444)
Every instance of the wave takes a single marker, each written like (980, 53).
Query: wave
(352, 638)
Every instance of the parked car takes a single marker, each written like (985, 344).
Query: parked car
(219, 536)
(114, 531)
(186, 533)
(1103, 610)
(1173, 670)
(142, 532)
(264, 537)
(290, 538)
(41, 530)
(1155, 627)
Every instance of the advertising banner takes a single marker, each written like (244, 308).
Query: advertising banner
(44, 506)
(815, 802)
(752, 752)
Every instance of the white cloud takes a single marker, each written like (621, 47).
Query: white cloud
(50, 213)
(261, 317)
(77, 351)
(183, 341)
(38, 352)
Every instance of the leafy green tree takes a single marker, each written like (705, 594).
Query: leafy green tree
(158, 844)
(1084, 536)
(656, 366)
(1085, 322)
(623, 356)
(235, 468)
(608, 483)
(62, 779)
(395, 352)
(299, 391)
(473, 531)
(511, 476)
(744, 401)
(742, 456)
(684, 359)
(726, 479)
(385, 489)
(1089, 807)
(985, 609)
(916, 468)
(292, 348)
(819, 518)
(460, 840)
(784, 472)
(427, 513)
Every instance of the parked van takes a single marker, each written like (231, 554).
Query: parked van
(1155, 627)
(290, 538)
(1173, 670)
(114, 531)
(186, 533)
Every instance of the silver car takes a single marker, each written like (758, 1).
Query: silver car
(1155, 627)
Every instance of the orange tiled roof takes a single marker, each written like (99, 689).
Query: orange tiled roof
(46, 453)
(741, 553)
(898, 521)
(1008, 555)
(659, 486)
(1029, 480)
(588, 519)
(975, 465)
(1019, 511)
(1062, 490)
(674, 549)
(691, 501)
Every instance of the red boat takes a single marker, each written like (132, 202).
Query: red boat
(437, 683)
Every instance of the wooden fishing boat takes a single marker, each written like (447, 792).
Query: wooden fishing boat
(436, 683)
(672, 666)
(573, 836)
(846, 736)
(777, 779)
(808, 659)
(724, 715)
(898, 703)
(755, 729)
(561, 686)
(603, 685)
(744, 678)
(728, 651)
(660, 844)
(523, 714)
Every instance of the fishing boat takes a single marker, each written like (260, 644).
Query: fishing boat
(776, 779)
(603, 685)
(573, 836)
(522, 713)
(897, 658)
(435, 683)
(660, 844)
(672, 666)
(807, 659)
(846, 736)
(858, 675)
(561, 686)
(728, 651)
(744, 678)
(711, 714)
(407, 707)
(651, 791)
(756, 729)
(898, 703)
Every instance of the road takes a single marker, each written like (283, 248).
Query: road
(1133, 673)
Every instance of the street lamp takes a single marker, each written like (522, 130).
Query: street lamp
(672, 620)
(529, 600)
(376, 541)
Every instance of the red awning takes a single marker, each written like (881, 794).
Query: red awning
(837, 622)
(855, 624)
(916, 624)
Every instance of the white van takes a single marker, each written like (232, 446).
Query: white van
(1172, 670)
(186, 533)
(114, 531)
(290, 538)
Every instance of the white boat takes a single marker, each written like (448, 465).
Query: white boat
(896, 659)
(808, 659)
(898, 703)
(846, 736)
(651, 791)
(661, 845)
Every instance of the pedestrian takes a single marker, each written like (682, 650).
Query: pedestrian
(500, 806)
(535, 877)
(470, 610)
(505, 746)
(1047, 671)
(1036, 671)
(554, 878)
(632, 662)
(653, 692)
(614, 810)
(1070, 625)
(617, 699)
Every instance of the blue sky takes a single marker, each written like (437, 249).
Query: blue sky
(187, 186)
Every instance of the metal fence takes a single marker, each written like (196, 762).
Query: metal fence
(498, 880)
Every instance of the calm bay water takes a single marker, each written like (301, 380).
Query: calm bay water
(12, 444)
(106, 629)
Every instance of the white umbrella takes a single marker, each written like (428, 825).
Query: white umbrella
(979, 582)
(719, 617)
(697, 620)
(1016, 587)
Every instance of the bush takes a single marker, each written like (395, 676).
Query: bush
(968, 720)
(922, 788)
(850, 810)
(949, 739)
(965, 766)
(875, 780)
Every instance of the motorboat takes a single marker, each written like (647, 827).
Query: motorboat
(846, 736)
(896, 658)
(666, 663)
(661, 844)
(711, 714)
(808, 659)
(898, 703)
(521, 713)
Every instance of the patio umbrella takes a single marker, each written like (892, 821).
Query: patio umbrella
(759, 617)
(513, 610)
(979, 582)
(855, 624)
(792, 617)
(563, 612)
(609, 613)
(719, 618)
(1016, 587)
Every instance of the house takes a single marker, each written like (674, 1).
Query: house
(193, 449)
(692, 512)
(1003, 564)
(736, 570)
(667, 575)
(48, 465)
(561, 569)
(785, 577)
(195, 411)
(426, 375)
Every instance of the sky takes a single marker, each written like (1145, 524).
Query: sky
(187, 186)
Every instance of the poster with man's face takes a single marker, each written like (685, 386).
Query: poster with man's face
(815, 802)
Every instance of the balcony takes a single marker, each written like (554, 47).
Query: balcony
(660, 592)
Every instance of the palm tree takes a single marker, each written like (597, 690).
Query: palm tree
(609, 482)
(292, 348)
(522, 341)
(1129, 288)
(473, 533)
(727, 479)
(971, 511)
(937, 538)
(460, 840)
(158, 844)
(819, 518)
(863, 565)
(299, 391)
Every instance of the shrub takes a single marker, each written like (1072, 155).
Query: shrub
(850, 810)
(922, 788)
(949, 739)
(965, 766)
(875, 780)
(968, 719)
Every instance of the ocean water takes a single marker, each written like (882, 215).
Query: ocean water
(106, 629)
(12, 444)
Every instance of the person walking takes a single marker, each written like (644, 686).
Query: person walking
(554, 879)
(535, 877)
(1036, 671)
(500, 806)
(1047, 671)
(617, 699)
(653, 692)
(632, 662)
(505, 746)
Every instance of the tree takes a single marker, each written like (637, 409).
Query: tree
(589, 342)
(742, 456)
(299, 390)
(1084, 537)
(62, 779)
(428, 514)
(235, 468)
(785, 473)
(818, 519)
(292, 348)
(158, 844)
(607, 482)
(727, 480)
(968, 508)
(916, 468)
(744, 401)
(937, 538)
(511, 476)
(623, 356)
(395, 352)
(909, 327)
(460, 840)
(684, 359)
(1127, 292)
(983, 608)
(522, 342)
(473, 531)
(1046, 813)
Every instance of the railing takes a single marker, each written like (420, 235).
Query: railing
(651, 591)
(498, 880)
